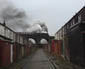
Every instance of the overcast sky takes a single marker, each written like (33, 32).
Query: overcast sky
(55, 13)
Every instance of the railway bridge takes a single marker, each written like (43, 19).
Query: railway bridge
(36, 36)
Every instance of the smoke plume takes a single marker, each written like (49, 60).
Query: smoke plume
(38, 28)
(17, 19)
(14, 18)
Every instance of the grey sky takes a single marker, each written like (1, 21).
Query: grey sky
(54, 13)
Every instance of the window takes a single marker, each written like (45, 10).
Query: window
(79, 18)
(76, 19)
(67, 26)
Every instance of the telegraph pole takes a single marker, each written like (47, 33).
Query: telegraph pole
(4, 23)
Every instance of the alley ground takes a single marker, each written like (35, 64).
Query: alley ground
(38, 61)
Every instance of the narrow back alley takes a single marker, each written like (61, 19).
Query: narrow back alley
(39, 60)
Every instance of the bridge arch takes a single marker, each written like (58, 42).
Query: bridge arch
(43, 41)
(32, 40)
